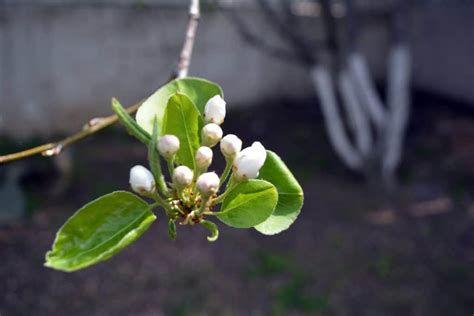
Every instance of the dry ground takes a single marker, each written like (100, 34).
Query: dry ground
(353, 251)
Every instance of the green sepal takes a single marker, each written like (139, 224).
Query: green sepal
(172, 229)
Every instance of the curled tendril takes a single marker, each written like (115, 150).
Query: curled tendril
(212, 228)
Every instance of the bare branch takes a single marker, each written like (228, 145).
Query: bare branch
(351, 29)
(289, 34)
(97, 124)
(330, 26)
(187, 51)
(259, 42)
(53, 149)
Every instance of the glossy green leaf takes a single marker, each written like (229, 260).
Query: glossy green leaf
(199, 91)
(99, 230)
(183, 120)
(290, 195)
(248, 204)
(212, 229)
(130, 124)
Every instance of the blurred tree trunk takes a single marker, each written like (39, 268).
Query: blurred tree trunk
(366, 133)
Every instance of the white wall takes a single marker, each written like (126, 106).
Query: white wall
(60, 65)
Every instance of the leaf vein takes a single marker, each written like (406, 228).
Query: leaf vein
(187, 135)
(105, 241)
(244, 202)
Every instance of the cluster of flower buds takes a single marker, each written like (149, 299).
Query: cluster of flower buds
(244, 164)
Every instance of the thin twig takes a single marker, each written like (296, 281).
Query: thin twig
(53, 149)
(331, 29)
(187, 51)
(291, 36)
(259, 42)
(96, 124)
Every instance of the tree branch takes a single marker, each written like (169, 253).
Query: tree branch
(290, 35)
(332, 43)
(97, 124)
(53, 149)
(259, 42)
(187, 51)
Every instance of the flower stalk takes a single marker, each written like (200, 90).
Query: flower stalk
(226, 172)
(155, 164)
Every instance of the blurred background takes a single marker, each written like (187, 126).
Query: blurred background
(369, 102)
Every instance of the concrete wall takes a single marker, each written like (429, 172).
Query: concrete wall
(60, 65)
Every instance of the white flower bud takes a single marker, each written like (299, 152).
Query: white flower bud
(141, 180)
(183, 176)
(203, 157)
(168, 146)
(214, 112)
(248, 162)
(230, 146)
(211, 134)
(208, 183)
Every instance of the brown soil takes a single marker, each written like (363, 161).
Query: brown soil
(353, 250)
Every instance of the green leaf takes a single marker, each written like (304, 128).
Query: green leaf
(248, 204)
(130, 124)
(99, 230)
(290, 195)
(183, 120)
(212, 228)
(172, 229)
(198, 90)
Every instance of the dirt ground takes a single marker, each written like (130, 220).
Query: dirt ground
(353, 251)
